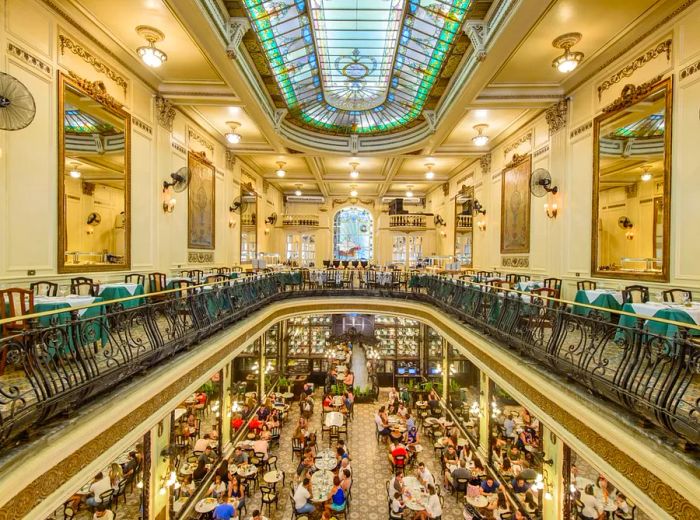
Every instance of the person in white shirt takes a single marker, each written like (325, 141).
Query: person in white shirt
(592, 507)
(424, 475)
(99, 486)
(261, 446)
(433, 508)
(302, 494)
(217, 488)
(397, 505)
(202, 443)
(102, 513)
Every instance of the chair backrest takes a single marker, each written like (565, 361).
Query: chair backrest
(236, 269)
(106, 496)
(215, 278)
(635, 294)
(400, 461)
(586, 285)
(512, 278)
(677, 295)
(84, 286)
(135, 278)
(68, 512)
(44, 288)
(461, 483)
(185, 288)
(522, 278)
(326, 263)
(345, 263)
(371, 276)
(537, 294)
(16, 302)
(156, 282)
(222, 270)
(336, 263)
(364, 264)
(355, 263)
(552, 283)
(195, 275)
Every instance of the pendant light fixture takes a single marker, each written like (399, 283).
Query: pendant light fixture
(150, 54)
(480, 139)
(569, 60)
(74, 172)
(233, 137)
(298, 190)
(280, 169)
(409, 191)
(353, 190)
(354, 174)
(646, 175)
(430, 174)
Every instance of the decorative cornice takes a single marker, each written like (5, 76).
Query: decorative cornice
(230, 159)
(200, 257)
(352, 200)
(631, 94)
(515, 261)
(661, 48)
(96, 90)
(445, 188)
(477, 32)
(165, 112)
(177, 146)
(485, 163)
(580, 129)
(430, 119)
(237, 27)
(512, 146)
(541, 151)
(556, 115)
(193, 135)
(690, 70)
(142, 125)
(29, 58)
(278, 117)
(64, 42)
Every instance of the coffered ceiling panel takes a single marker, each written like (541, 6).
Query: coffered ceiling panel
(218, 116)
(499, 120)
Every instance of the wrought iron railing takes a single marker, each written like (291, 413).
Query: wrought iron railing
(59, 361)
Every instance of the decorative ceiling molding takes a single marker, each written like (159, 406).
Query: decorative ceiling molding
(64, 42)
(279, 115)
(431, 119)
(515, 144)
(477, 31)
(556, 115)
(237, 27)
(660, 49)
(165, 112)
(96, 90)
(29, 58)
(631, 94)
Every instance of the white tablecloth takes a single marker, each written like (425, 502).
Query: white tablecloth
(651, 308)
(72, 300)
(594, 293)
(131, 287)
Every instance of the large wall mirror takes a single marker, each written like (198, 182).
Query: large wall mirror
(249, 223)
(464, 232)
(632, 181)
(93, 178)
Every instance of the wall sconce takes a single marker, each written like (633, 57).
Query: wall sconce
(478, 208)
(169, 201)
(629, 235)
(481, 225)
(542, 482)
(231, 222)
(443, 234)
(551, 211)
(267, 231)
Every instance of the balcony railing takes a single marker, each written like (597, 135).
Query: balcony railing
(60, 360)
(300, 221)
(408, 221)
(464, 222)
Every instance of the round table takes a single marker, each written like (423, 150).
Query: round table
(273, 477)
(325, 460)
(414, 494)
(247, 470)
(187, 469)
(321, 485)
(417, 448)
(206, 505)
(334, 419)
(288, 395)
(480, 501)
(245, 445)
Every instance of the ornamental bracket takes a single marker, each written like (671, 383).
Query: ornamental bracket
(477, 31)
(237, 27)
(431, 119)
(278, 117)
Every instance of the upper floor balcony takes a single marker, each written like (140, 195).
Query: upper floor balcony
(464, 223)
(301, 221)
(409, 222)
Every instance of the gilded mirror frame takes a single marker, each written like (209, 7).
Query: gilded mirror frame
(97, 92)
(630, 96)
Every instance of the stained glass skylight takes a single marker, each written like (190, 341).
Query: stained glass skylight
(651, 126)
(356, 66)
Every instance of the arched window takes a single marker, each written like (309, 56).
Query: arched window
(353, 232)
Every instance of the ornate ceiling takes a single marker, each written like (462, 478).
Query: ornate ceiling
(355, 66)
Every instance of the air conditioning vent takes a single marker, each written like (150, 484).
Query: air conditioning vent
(309, 199)
(407, 201)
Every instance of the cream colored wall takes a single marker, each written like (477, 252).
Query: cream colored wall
(28, 158)
(562, 247)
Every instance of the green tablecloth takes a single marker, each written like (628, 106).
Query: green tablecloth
(606, 300)
(663, 311)
(93, 328)
(117, 291)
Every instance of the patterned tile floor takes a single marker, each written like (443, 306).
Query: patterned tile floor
(369, 462)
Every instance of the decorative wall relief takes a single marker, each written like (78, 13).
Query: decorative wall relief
(193, 135)
(556, 115)
(29, 58)
(581, 129)
(515, 205)
(660, 49)
(485, 163)
(201, 202)
(632, 94)
(200, 257)
(690, 70)
(514, 145)
(230, 159)
(64, 42)
(515, 261)
(165, 112)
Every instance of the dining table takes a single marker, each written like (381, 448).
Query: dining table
(115, 291)
(92, 321)
(607, 299)
(206, 505)
(325, 460)
(246, 470)
(528, 285)
(479, 501)
(321, 485)
(678, 312)
(334, 419)
(273, 477)
(414, 494)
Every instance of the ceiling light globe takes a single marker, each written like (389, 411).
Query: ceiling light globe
(281, 173)
(75, 174)
(409, 194)
(233, 138)
(354, 174)
(297, 193)
(567, 62)
(429, 175)
(353, 193)
(646, 177)
(480, 140)
(152, 56)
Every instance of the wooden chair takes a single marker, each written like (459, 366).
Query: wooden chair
(635, 294)
(236, 269)
(14, 302)
(512, 278)
(364, 264)
(536, 296)
(369, 279)
(269, 497)
(326, 263)
(83, 286)
(396, 279)
(44, 288)
(215, 279)
(522, 278)
(355, 264)
(677, 295)
(552, 283)
(346, 281)
(297, 448)
(222, 270)
(306, 282)
(195, 275)
(135, 278)
(586, 285)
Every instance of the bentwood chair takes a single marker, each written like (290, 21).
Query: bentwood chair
(215, 279)
(222, 270)
(346, 281)
(586, 285)
(537, 297)
(552, 283)
(84, 286)
(44, 288)
(677, 295)
(369, 279)
(635, 294)
(355, 264)
(236, 269)
(135, 278)
(157, 282)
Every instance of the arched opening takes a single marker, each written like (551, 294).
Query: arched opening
(353, 231)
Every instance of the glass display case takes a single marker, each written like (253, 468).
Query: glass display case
(307, 335)
(398, 337)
